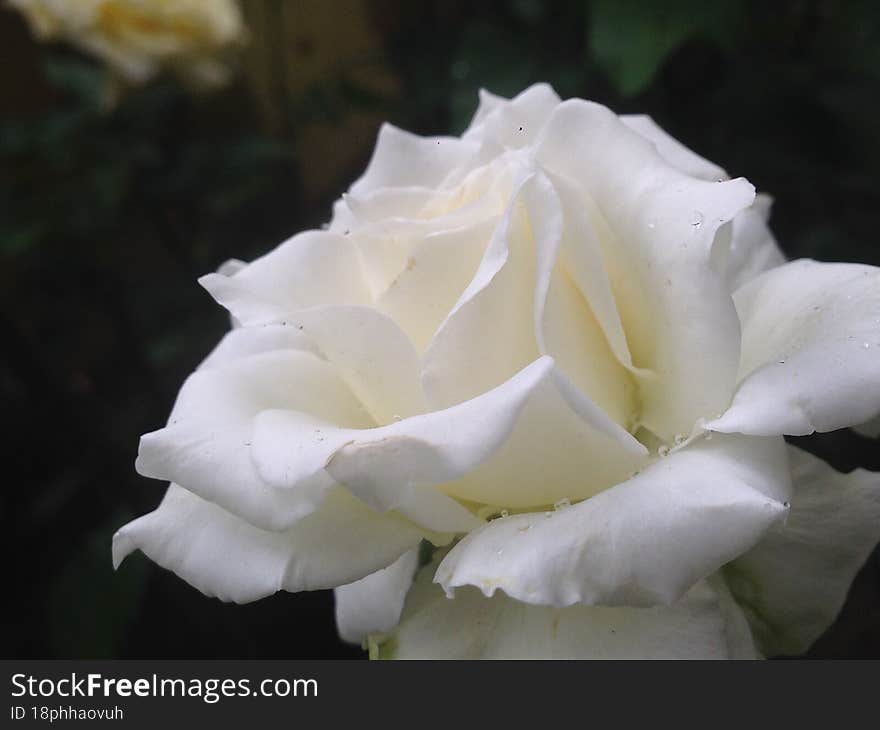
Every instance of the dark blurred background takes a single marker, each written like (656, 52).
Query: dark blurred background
(111, 204)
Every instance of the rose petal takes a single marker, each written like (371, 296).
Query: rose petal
(657, 227)
(581, 258)
(487, 102)
(389, 225)
(794, 582)
(753, 249)
(373, 604)
(391, 466)
(437, 271)
(207, 444)
(460, 362)
(371, 353)
(243, 342)
(645, 541)
(491, 332)
(811, 350)
(553, 453)
(224, 556)
(361, 370)
(515, 123)
(311, 269)
(402, 159)
(870, 429)
(704, 624)
(673, 151)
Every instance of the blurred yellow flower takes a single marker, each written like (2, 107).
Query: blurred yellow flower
(138, 38)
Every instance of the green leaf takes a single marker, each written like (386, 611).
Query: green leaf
(631, 39)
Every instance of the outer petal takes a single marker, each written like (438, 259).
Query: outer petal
(642, 542)
(311, 269)
(811, 350)
(753, 249)
(360, 370)
(673, 151)
(243, 342)
(224, 556)
(488, 103)
(704, 624)
(373, 604)
(393, 467)
(207, 444)
(657, 227)
(515, 123)
(402, 159)
(794, 582)
(870, 428)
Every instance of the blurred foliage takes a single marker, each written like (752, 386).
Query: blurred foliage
(631, 39)
(98, 626)
(111, 206)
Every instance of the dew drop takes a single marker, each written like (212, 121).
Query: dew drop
(562, 503)
(396, 417)
(867, 345)
(651, 224)
(548, 514)
(663, 451)
(505, 513)
(697, 219)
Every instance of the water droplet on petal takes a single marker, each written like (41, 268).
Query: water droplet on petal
(697, 219)
(562, 503)
(505, 513)
(663, 451)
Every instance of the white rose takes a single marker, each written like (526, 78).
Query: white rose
(138, 38)
(564, 339)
